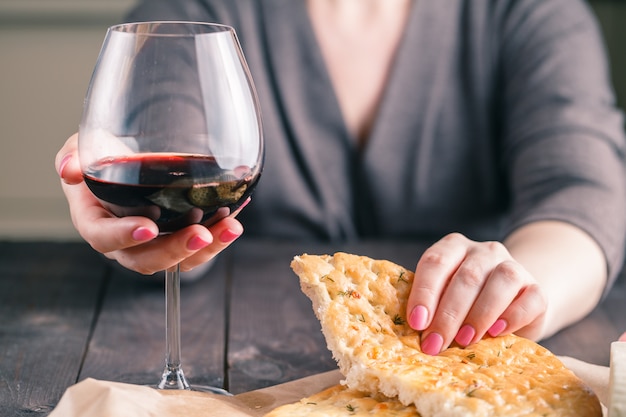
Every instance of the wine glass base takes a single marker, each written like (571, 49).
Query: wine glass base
(174, 379)
(196, 388)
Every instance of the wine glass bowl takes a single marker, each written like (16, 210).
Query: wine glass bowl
(171, 127)
(171, 130)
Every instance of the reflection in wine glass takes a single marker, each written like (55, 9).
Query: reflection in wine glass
(171, 131)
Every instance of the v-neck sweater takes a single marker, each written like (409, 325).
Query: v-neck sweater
(497, 113)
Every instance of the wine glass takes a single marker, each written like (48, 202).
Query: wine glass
(171, 130)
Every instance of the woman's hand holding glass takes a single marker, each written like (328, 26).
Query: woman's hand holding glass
(134, 241)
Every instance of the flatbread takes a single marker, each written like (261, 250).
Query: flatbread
(361, 305)
(338, 400)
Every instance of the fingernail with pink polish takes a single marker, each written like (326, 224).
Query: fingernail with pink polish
(197, 243)
(432, 344)
(497, 328)
(228, 236)
(465, 335)
(418, 319)
(142, 234)
(245, 203)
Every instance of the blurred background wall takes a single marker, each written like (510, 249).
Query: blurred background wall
(47, 52)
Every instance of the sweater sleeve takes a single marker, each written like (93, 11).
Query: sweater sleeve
(564, 136)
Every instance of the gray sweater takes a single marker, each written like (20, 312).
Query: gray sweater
(498, 113)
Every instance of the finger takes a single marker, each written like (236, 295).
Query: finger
(189, 247)
(501, 288)
(66, 162)
(622, 338)
(227, 231)
(524, 316)
(164, 252)
(102, 230)
(431, 276)
(461, 295)
(456, 302)
(224, 233)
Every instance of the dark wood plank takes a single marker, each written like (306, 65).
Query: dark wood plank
(128, 344)
(48, 298)
(274, 335)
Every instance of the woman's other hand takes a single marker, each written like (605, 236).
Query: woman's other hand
(465, 289)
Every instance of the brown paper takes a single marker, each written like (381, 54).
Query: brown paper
(94, 398)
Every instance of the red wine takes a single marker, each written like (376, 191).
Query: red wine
(174, 190)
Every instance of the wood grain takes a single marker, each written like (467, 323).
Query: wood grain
(48, 294)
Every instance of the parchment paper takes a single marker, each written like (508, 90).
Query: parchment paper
(95, 398)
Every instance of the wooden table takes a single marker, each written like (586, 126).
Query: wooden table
(67, 314)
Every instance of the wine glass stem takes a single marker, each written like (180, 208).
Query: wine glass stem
(173, 377)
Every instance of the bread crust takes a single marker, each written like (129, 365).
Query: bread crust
(339, 400)
(361, 305)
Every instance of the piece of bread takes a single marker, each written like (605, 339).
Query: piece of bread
(361, 305)
(339, 400)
